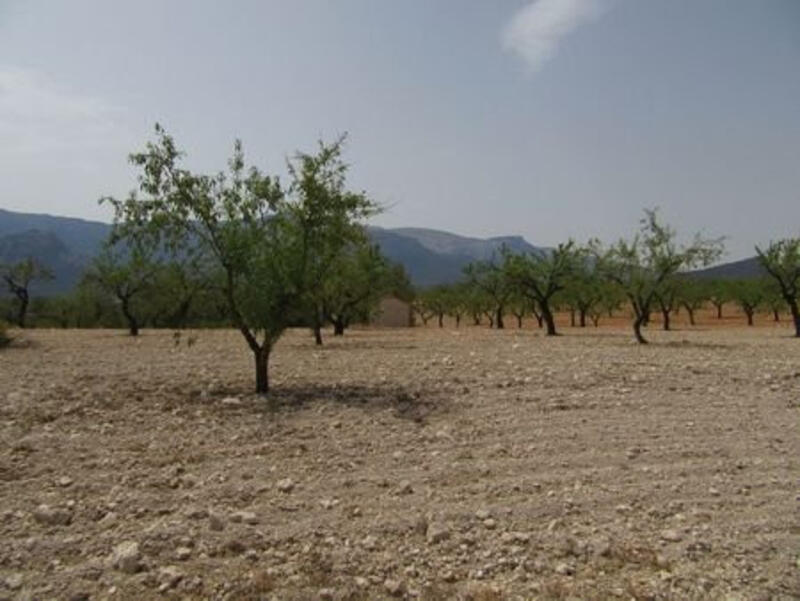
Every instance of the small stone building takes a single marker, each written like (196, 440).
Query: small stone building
(393, 313)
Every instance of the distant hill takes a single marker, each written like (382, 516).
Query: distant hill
(746, 268)
(66, 245)
(81, 237)
(435, 257)
(431, 257)
(51, 251)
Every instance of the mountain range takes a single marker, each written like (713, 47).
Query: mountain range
(66, 245)
(430, 257)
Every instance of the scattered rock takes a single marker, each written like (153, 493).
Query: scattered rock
(50, 516)
(326, 594)
(437, 533)
(396, 588)
(370, 543)
(565, 569)
(405, 487)
(672, 536)
(483, 514)
(168, 578)
(421, 525)
(14, 581)
(489, 523)
(196, 513)
(183, 553)
(126, 557)
(64, 481)
(286, 485)
(216, 523)
(248, 517)
(231, 401)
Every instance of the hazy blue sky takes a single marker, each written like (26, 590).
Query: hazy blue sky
(548, 119)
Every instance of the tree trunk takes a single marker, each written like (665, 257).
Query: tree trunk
(637, 328)
(133, 324)
(499, 319)
(749, 313)
(776, 316)
(262, 370)
(476, 320)
(665, 314)
(547, 316)
(317, 334)
(458, 319)
(795, 315)
(519, 321)
(540, 320)
(582, 318)
(690, 311)
(572, 318)
(338, 327)
(24, 299)
(595, 320)
(441, 320)
(719, 310)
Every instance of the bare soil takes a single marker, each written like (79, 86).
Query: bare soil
(425, 463)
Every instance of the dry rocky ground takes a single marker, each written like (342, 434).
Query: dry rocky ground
(419, 464)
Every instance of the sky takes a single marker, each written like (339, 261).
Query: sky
(548, 119)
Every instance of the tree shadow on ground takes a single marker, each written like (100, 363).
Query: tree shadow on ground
(332, 343)
(404, 403)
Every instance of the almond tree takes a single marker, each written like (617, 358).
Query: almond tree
(693, 296)
(437, 302)
(18, 278)
(361, 276)
(584, 291)
(719, 294)
(128, 275)
(749, 295)
(260, 241)
(541, 275)
(668, 300)
(324, 217)
(781, 260)
(492, 283)
(773, 300)
(644, 266)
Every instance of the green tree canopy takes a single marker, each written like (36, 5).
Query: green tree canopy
(643, 266)
(781, 260)
(18, 278)
(266, 245)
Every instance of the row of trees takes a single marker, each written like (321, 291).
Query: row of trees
(647, 273)
(590, 299)
(240, 247)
